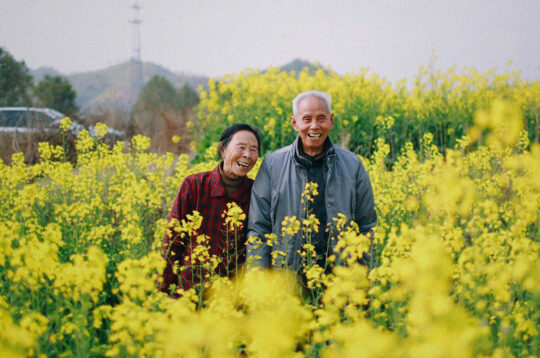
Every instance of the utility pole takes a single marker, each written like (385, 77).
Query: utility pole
(136, 70)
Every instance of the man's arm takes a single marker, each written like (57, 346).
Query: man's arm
(259, 222)
(366, 216)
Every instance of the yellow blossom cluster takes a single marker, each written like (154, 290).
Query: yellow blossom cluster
(366, 106)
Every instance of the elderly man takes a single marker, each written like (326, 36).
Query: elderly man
(343, 187)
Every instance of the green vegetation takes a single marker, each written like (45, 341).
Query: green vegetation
(161, 112)
(56, 92)
(15, 81)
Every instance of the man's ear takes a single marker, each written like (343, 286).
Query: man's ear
(332, 119)
(293, 123)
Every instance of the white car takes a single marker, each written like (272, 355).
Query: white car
(21, 128)
(31, 120)
(39, 120)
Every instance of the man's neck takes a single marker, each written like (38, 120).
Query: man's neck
(318, 156)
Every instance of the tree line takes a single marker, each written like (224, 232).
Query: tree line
(161, 111)
(18, 89)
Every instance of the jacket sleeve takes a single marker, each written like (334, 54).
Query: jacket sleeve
(259, 220)
(365, 217)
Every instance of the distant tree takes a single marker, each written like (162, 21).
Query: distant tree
(157, 96)
(56, 92)
(158, 114)
(187, 97)
(15, 81)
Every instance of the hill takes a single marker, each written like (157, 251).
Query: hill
(111, 87)
(41, 72)
(298, 65)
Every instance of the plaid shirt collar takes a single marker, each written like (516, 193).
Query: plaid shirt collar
(218, 187)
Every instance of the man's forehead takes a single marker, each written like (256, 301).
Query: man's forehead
(313, 101)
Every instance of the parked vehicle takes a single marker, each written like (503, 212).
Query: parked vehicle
(22, 128)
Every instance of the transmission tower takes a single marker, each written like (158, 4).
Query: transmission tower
(136, 70)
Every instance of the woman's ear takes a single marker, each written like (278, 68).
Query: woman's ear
(220, 150)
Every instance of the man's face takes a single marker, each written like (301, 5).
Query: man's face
(240, 155)
(312, 122)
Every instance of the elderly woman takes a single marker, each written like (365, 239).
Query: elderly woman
(209, 193)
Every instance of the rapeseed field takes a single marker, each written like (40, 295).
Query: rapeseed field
(455, 259)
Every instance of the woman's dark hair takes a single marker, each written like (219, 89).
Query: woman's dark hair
(229, 132)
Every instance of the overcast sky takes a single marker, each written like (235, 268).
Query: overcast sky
(215, 37)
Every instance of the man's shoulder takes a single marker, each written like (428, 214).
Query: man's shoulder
(279, 154)
(274, 163)
(348, 162)
(345, 154)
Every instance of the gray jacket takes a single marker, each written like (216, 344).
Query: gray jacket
(277, 192)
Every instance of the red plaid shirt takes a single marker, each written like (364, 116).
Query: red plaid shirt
(205, 193)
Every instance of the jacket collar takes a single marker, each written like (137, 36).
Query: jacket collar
(299, 160)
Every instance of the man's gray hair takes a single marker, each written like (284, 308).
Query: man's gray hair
(322, 95)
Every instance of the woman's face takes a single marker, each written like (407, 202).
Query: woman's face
(240, 155)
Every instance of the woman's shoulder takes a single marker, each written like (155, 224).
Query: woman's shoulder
(201, 178)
